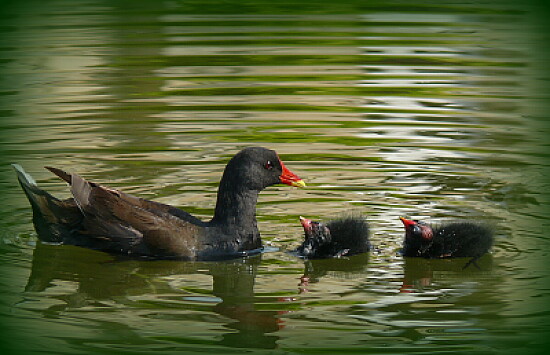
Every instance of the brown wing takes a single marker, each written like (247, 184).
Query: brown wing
(127, 226)
(151, 206)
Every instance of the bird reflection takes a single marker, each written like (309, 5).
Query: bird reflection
(421, 273)
(74, 278)
(348, 267)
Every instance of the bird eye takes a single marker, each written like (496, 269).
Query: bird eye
(268, 165)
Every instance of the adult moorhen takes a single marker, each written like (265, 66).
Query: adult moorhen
(336, 238)
(102, 218)
(453, 240)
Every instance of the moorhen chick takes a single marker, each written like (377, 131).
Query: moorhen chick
(452, 240)
(105, 219)
(336, 238)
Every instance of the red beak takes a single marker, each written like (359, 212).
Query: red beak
(306, 223)
(289, 178)
(407, 222)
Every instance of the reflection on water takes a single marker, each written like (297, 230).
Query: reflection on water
(386, 109)
(172, 294)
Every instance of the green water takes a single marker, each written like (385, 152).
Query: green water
(433, 110)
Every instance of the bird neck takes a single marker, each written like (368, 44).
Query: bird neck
(415, 246)
(236, 209)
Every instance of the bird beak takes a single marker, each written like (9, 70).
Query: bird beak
(306, 223)
(407, 222)
(289, 178)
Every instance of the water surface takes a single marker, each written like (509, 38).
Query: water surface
(386, 109)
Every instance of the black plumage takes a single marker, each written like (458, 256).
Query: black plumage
(451, 240)
(102, 218)
(340, 237)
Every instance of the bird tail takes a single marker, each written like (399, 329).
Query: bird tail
(23, 177)
(35, 195)
(52, 217)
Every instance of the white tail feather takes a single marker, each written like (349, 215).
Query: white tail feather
(23, 176)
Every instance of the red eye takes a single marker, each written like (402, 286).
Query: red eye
(268, 165)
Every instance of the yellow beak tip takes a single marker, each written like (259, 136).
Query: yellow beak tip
(299, 183)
